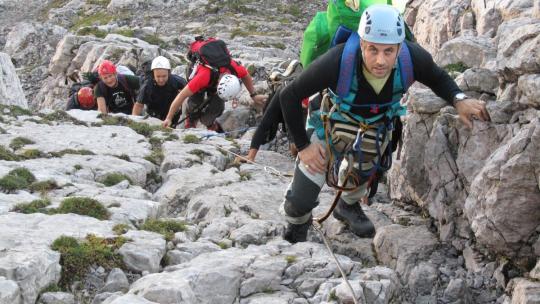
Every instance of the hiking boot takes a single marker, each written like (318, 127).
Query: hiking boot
(355, 218)
(215, 127)
(297, 233)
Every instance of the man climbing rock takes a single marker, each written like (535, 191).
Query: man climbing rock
(365, 79)
(214, 80)
(115, 93)
(159, 90)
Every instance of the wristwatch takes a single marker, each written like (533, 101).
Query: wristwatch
(459, 97)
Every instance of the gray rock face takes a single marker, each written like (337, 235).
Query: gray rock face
(31, 46)
(25, 240)
(436, 22)
(145, 252)
(529, 86)
(56, 298)
(472, 51)
(116, 281)
(525, 291)
(9, 292)
(422, 279)
(535, 273)
(128, 299)
(517, 50)
(505, 217)
(478, 80)
(11, 92)
(423, 101)
(401, 247)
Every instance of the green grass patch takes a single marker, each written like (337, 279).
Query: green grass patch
(16, 179)
(43, 186)
(332, 296)
(83, 206)
(291, 9)
(154, 39)
(244, 176)
(156, 157)
(77, 167)
(155, 141)
(51, 288)
(153, 178)
(15, 111)
(77, 257)
(103, 3)
(32, 154)
(60, 115)
(290, 259)
(34, 206)
(191, 139)
(199, 153)
(165, 227)
(139, 127)
(142, 128)
(71, 151)
(112, 179)
(171, 137)
(125, 32)
(19, 142)
(92, 31)
(124, 157)
(223, 245)
(119, 229)
(6, 154)
(99, 18)
(238, 32)
(459, 67)
(52, 5)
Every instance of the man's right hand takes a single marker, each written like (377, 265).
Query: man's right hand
(166, 123)
(313, 158)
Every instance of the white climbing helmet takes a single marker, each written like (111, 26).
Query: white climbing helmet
(160, 62)
(228, 87)
(381, 23)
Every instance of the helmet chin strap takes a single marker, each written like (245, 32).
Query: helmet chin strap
(397, 55)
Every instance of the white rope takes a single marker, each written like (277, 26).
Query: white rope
(318, 227)
(268, 169)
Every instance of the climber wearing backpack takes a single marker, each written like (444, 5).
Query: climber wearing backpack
(159, 90)
(82, 99)
(115, 93)
(214, 80)
(348, 141)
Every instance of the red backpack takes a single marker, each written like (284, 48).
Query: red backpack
(213, 54)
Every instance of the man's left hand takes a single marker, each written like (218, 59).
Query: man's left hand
(471, 109)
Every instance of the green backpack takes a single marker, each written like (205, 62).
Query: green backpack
(320, 31)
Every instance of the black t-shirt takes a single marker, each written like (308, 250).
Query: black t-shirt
(158, 99)
(121, 98)
(324, 73)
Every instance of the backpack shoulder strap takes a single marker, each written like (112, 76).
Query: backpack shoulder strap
(123, 82)
(406, 66)
(348, 62)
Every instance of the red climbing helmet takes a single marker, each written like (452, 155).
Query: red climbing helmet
(85, 96)
(106, 67)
